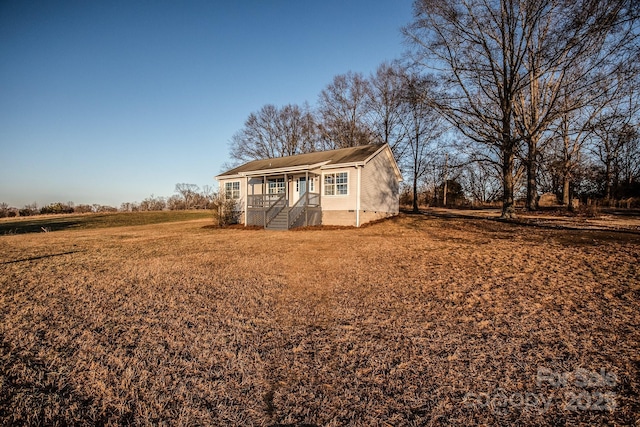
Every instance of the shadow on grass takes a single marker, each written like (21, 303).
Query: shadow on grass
(38, 257)
(38, 225)
(97, 220)
(566, 233)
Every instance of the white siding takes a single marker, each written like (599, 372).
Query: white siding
(340, 202)
(379, 191)
(243, 190)
(380, 187)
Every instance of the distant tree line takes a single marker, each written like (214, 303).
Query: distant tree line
(507, 99)
(188, 196)
(53, 208)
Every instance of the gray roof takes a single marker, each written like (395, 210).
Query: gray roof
(332, 157)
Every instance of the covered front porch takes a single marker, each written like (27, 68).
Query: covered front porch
(284, 200)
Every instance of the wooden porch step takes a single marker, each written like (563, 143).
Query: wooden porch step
(280, 222)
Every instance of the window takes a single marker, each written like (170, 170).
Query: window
(336, 184)
(311, 184)
(276, 186)
(232, 190)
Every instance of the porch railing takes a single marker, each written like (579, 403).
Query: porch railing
(262, 200)
(296, 210)
(275, 208)
(314, 199)
(300, 207)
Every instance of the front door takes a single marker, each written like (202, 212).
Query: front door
(302, 183)
(301, 187)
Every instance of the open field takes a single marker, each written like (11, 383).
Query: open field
(40, 223)
(418, 320)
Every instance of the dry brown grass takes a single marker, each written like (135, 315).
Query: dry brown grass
(402, 323)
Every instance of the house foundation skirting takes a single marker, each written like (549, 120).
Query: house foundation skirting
(349, 218)
(317, 217)
(312, 216)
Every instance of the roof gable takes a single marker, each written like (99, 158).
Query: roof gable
(331, 157)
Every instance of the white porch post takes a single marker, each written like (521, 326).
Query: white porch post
(359, 169)
(286, 189)
(246, 200)
(306, 202)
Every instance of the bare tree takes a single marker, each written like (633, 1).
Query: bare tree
(259, 138)
(343, 112)
(208, 193)
(4, 210)
(481, 181)
(573, 50)
(503, 61)
(478, 48)
(30, 209)
(297, 129)
(615, 132)
(275, 132)
(103, 208)
(629, 161)
(573, 131)
(423, 126)
(189, 193)
(175, 203)
(590, 120)
(153, 203)
(83, 208)
(385, 106)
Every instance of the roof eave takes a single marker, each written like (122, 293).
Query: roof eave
(275, 171)
(219, 177)
(342, 165)
(324, 165)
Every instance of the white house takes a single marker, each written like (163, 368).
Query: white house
(348, 186)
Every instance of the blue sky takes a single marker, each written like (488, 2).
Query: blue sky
(112, 101)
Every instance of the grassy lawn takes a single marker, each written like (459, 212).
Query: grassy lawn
(419, 320)
(40, 223)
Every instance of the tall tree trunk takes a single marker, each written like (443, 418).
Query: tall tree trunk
(607, 175)
(444, 193)
(415, 193)
(616, 179)
(508, 206)
(570, 206)
(566, 161)
(446, 178)
(532, 170)
(508, 156)
(566, 183)
(532, 134)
